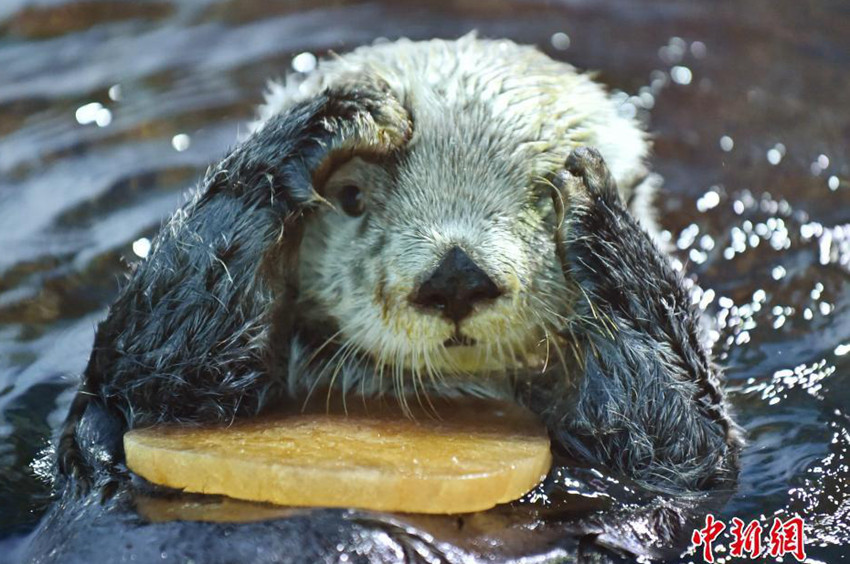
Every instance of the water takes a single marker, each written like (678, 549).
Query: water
(109, 110)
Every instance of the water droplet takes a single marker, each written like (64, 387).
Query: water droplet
(774, 156)
(708, 201)
(142, 247)
(698, 49)
(657, 81)
(697, 256)
(560, 41)
(738, 207)
(304, 62)
(673, 51)
(115, 92)
(88, 113)
(778, 272)
(842, 350)
(181, 142)
(678, 43)
(833, 183)
(676, 265)
(727, 143)
(707, 298)
(687, 236)
(103, 117)
(627, 110)
(681, 75)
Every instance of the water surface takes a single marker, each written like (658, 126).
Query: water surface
(109, 110)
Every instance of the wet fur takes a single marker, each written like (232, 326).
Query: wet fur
(189, 338)
(204, 329)
(649, 404)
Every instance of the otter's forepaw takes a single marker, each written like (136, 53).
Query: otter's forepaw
(75, 470)
(587, 204)
(367, 116)
(590, 177)
(294, 151)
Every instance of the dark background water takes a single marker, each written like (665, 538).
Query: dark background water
(109, 110)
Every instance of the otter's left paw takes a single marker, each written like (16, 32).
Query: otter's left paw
(586, 177)
(587, 204)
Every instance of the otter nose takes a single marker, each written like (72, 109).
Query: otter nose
(455, 286)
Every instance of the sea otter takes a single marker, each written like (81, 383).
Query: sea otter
(439, 217)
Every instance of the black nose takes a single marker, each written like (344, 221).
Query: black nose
(455, 286)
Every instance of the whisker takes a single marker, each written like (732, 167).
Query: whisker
(321, 347)
(430, 370)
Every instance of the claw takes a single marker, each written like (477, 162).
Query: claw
(587, 164)
(76, 471)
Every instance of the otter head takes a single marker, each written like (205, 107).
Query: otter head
(440, 258)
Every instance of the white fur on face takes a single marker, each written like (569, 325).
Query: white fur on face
(491, 120)
(362, 271)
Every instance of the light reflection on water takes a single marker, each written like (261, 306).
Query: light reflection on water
(107, 114)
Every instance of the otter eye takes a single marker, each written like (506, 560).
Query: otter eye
(352, 201)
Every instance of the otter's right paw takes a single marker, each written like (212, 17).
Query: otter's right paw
(294, 151)
(73, 467)
(367, 116)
